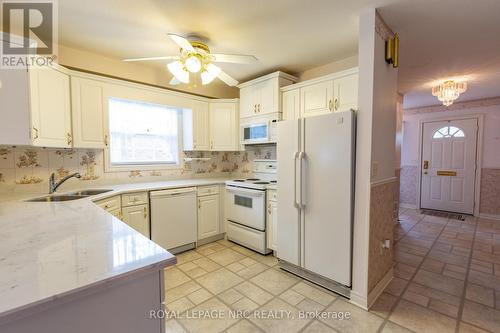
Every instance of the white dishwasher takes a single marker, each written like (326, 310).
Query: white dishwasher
(174, 219)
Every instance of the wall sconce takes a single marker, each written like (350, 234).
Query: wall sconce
(392, 51)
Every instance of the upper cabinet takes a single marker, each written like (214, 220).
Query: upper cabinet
(36, 108)
(196, 132)
(332, 93)
(88, 104)
(224, 130)
(261, 96)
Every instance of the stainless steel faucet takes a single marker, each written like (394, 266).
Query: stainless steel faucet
(53, 185)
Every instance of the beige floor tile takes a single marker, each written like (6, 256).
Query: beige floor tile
(244, 250)
(318, 327)
(480, 294)
(252, 270)
(243, 326)
(444, 308)
(268, 260)
(244, 304)
(207, 264)
(466, 328)
(253, 292)
(396, 286)
(440, 282)
(393, 328)
(433, 294)
(187, 266)
(481, 316)
(290, 322)
(173, 326)
(230, 296)
(419, 319)
(199, 296)
(248, 262)
(209, 325)
(292, 297)
(218, 281)
(225, 257)
(274, 281)
(226, 243)
(210, 248)
(383, 305)
(196, 272)
(181, 291)
(235, 267)
(180, 305)
(175, 277)
(315, 293)
(308, 305)
(187, 256)
(359, 321)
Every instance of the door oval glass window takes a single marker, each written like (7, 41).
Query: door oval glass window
(448, 132)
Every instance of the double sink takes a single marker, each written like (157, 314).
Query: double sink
(68, 196)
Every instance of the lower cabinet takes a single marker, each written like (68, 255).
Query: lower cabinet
(208, 212)
(137, 217)
(272, 220)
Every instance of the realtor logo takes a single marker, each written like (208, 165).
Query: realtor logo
(29, 35)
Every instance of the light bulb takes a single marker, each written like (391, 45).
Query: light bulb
(210, 73)
(193, 64)
(177, 69)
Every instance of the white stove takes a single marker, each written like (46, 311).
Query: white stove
(246, 206)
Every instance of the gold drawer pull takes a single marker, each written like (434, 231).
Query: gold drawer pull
(447, 173)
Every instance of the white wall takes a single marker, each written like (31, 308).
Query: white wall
(332, 67)
(491, 135)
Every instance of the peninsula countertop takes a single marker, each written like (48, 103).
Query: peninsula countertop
(49, 250)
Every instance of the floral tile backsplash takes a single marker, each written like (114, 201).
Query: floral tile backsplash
(21, 167)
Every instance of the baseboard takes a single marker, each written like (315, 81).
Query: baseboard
(210, 239)
(380, 287)
(489, 216)
(359, 300)
(407, 205)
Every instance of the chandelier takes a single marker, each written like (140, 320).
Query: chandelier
(449, 91)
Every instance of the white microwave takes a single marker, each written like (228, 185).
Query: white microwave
(258, 132)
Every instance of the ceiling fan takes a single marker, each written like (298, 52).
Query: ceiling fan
(195, 57)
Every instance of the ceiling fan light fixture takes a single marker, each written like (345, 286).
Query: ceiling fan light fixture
(177, 69)
(209, 74)
(193, 64)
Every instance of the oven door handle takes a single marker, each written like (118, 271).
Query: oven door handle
(254, 193)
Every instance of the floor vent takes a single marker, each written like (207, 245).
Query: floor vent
(452, 216)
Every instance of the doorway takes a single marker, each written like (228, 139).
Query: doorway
(448, 165)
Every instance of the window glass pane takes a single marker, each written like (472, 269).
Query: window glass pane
(142, 133)
(448, 132)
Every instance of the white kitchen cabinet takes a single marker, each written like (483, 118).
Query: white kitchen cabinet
(36, 108)
(345, 92)
(224, 127)
(208, 216)
(116, 213)
(196, 131)
(112, 205)
(261, 96)
(316, 99)
(291, 104)
(137, 217)
(88, 103)
(272, 220)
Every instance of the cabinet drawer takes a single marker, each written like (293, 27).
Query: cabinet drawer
(272, 195)
(132, 199)
(110, 204)
(207, 190)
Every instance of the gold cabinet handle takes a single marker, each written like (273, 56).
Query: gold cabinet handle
(255, 108)
(330, 105)
(211, 144)
(106, 206)
(35, 136)
(269, 209)
(199, 203)
(120, 215)
(69, 138)
(145, 212)
(258, 107)
(106, 140)
(336, 104)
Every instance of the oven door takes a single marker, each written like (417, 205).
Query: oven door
(255, 133)
(246, 206)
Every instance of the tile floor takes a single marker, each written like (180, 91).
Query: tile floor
(447, 279)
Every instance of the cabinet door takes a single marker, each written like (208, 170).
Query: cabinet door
(87, 101)
(316, 99)
(201, 140)
(50, 107)
(346, 93)
(208, 216)
(137, 217)
(116, 213)
(291, 105)
(247, 102)
(267, 94)
(223, 127)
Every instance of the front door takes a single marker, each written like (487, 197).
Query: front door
(449, 165)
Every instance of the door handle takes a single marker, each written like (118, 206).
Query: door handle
(295, 156)
(300, 158)
(426, 165)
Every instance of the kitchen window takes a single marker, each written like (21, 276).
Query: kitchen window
(143, 135)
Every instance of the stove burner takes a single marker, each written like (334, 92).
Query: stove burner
(252, 179)
(261, 183)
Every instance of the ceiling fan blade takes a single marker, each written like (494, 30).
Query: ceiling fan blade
(223, 76)
(234, 58)
(151, 58)
(182, 42)
(174, 81)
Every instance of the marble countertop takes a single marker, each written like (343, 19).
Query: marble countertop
(50, 250)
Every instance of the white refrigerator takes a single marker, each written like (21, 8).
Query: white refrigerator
(315, 196)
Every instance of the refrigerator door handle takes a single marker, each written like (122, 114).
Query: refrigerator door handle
(301, 156)
(295, 157)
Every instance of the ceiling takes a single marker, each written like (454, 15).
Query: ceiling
(446, 39)
(290, 35)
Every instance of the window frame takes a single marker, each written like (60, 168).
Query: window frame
(109, 167)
